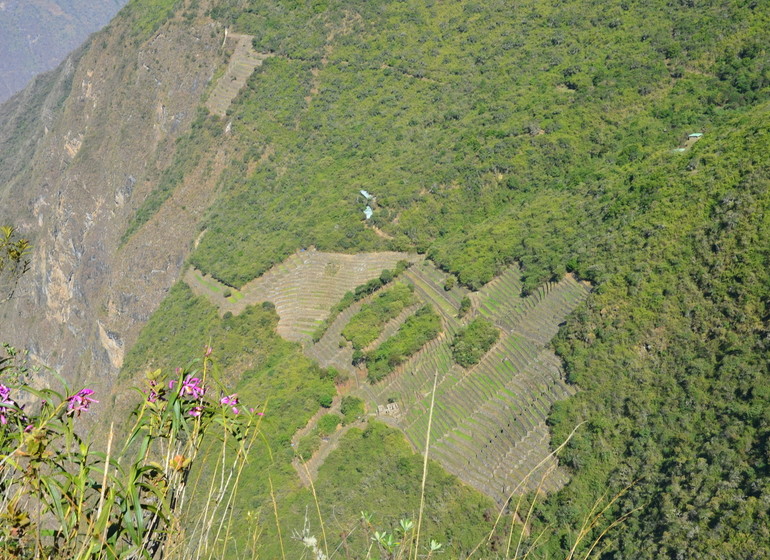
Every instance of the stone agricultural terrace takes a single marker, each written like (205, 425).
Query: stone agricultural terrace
(489, 423)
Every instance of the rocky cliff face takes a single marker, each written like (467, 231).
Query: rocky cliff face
(81, 149)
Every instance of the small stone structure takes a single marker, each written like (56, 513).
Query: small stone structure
(390, 409)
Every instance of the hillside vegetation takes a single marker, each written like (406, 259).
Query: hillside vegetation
(273, 371)
(545, 134)
(366, 325)
(473, 341)
(524, 148)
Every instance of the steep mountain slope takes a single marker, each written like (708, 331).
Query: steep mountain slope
(80, 147)
(552, 134)
(35, 36)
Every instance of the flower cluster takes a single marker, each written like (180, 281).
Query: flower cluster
(191, 389)
(7, 404)
(80, 401)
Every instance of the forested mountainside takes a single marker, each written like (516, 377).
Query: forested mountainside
(35, 36)
(619, 143)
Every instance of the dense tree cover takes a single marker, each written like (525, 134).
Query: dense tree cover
(473, 341)
(366, 325)
(487, 133)
(417, 330)
(672, 358)
(543, 133)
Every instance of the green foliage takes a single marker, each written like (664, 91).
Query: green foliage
(668, 356)
(540, 135)
(14, 260)
(351, 408)
(328, 424)
(567, 167)
(148, 15)
(472, 342)
(386, 276)
(366, 325)
(475, 174)
(308, 445)
(417, 330)
(465, 306)
(375, 470)
(130, 501)
(359, 293)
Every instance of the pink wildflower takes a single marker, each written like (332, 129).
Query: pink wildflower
(231, 401)
(207, 350)
(80, 401)
(191, 387)
(196, 411)
(5, 399)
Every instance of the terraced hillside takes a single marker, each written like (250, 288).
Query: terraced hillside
(489, 421)
(303, 288)
(242, 63)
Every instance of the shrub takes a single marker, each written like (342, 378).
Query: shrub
(307, 446)
(416, 331)
(465, 306)
(328, 423)
(449, 283)
(471, 343)
(351, 408)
